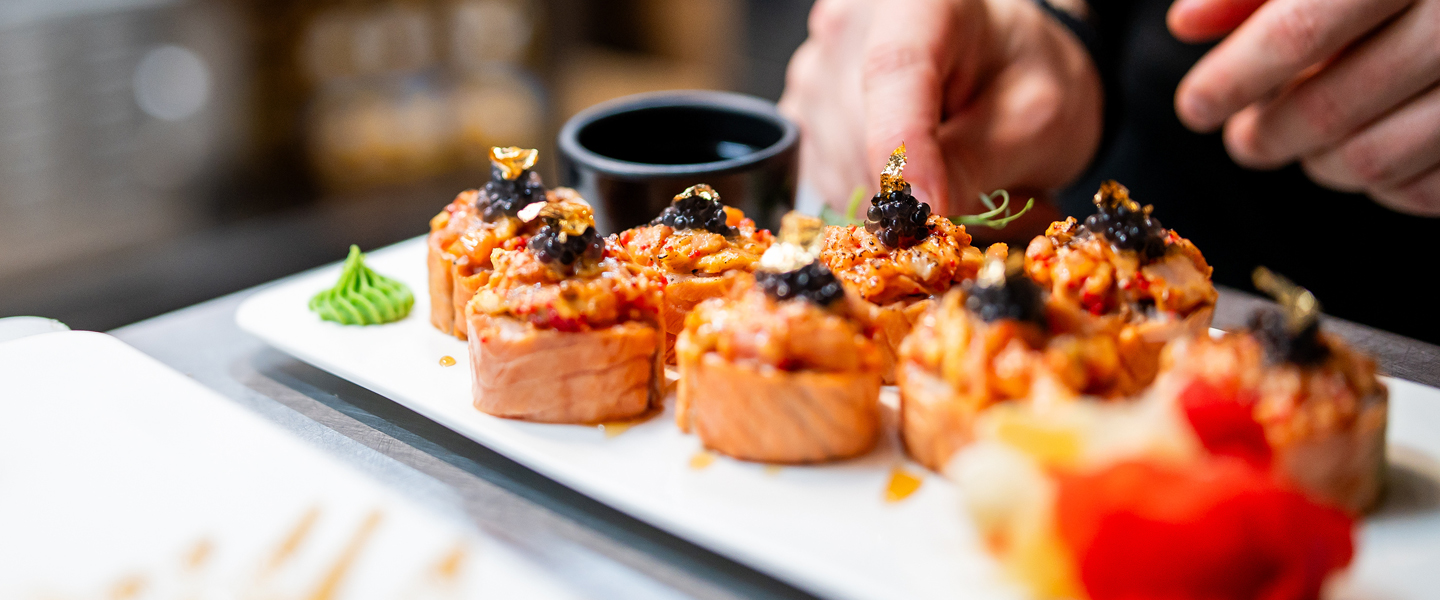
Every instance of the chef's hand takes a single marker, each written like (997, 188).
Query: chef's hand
(985, 94)
(1346, 87)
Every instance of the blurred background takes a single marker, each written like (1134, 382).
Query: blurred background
(158, 153)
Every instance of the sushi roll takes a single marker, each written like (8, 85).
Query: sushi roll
(899, 259)
(990, 342)
(1122, 272)
(779, 370)
(464, 234)
(1287, 396)
(694, 243)
(562, 331)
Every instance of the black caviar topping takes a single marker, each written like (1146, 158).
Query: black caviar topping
(1017, 298)
(1126, 224)
(1282, 345)
(897, 218)
(503, 197)
(812, 282)
(551, 245)
(698, 207)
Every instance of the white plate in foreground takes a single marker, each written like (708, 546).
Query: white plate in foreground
(827, 529)
(121, 478)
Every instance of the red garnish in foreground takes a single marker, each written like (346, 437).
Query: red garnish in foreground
(1224, 420)
(1222, 531)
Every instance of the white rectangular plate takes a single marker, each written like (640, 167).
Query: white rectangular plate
(827, 529)
(121, 478)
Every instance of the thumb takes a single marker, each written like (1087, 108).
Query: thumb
(1204, 20)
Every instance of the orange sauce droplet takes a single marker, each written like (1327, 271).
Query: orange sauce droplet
(128, 587)
(447, 361)
(772, 470)
(449, 567)
(614, 428)
(902, 484)
(619, 426)
(292, 540)
(197, 555)
(329, 584)
(701, 460)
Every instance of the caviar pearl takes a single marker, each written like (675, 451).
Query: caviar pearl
(548, 246)
(813, 282)
(503, 197)
(898, 219)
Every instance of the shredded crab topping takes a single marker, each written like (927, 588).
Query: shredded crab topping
(785, 256)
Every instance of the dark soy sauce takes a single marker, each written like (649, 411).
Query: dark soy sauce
(678, 135)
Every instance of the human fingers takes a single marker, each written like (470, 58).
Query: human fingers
(1278, 42)
(1385, 154)
(1036, 123)
(1384, 71)
(906, 61)
(1420, 196)
(822, 96)
(1204, 20)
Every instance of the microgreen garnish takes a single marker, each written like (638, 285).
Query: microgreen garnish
(997, 217)
(992, 218)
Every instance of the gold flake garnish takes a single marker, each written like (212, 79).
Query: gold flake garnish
(513, 161)
(1300, 306)
(1113, 195)
(892, 179)
(701, 190)
(572, 215)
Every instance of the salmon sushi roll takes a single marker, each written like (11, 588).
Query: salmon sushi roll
(1122, 272)
(694, 243)
(986, 343)
(463, 236)
(562, 331)
(1286, 395)
(778, 370)
(899, 260)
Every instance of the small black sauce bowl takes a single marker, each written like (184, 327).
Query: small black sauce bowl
(629, 157)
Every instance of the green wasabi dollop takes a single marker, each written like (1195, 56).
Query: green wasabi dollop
(362, 296)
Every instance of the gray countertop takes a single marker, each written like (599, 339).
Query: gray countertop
(593, 548)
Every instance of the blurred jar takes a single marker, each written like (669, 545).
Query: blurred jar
(381, 132)
(388, 110)
(380, 112)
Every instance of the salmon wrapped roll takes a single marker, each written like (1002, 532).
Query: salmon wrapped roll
(694, 243)
(562, 332)
(990, 342)
(463, 236)
(778, 370)
(901, 258)
(1122, 272)
(1287, 396)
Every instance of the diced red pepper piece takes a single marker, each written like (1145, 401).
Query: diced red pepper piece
(1221, 531)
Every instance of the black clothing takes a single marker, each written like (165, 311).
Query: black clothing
(1364, 262)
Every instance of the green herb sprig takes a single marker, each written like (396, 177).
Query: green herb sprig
(992, 218)
(997, 217)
